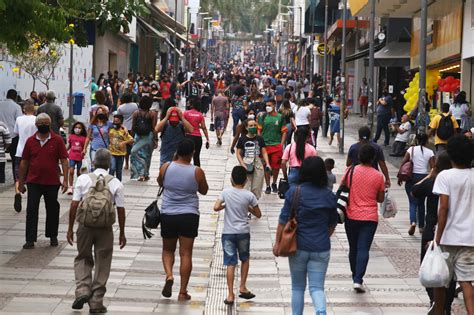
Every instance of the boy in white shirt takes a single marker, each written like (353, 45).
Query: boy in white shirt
(237, 202)
(403, 133)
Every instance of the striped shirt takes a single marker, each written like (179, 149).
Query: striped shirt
(5, 140)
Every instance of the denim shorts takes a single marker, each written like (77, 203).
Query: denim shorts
(73, 163)
(234, 244)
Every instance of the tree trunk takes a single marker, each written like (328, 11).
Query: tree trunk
(34, 83)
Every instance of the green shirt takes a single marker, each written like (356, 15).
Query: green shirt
(272, 127)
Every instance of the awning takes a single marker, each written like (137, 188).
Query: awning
(180, 36)
(174, 48)
(394, 54)
(336, 28)
(365, 52)
(400, 9)
(317, 7)
(165, 19)
(150, 28)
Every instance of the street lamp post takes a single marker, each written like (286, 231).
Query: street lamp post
(188, 47)
(343, 74)
(422, 89)
(371, 101)
(325, 65)
(176, 56)
(71, 76)
(202, 14)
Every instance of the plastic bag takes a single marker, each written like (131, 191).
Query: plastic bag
(388, 208)
(434, 270)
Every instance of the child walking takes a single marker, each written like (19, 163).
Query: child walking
(75, 145)
(119, 139)
(329, 163)
(237, 202)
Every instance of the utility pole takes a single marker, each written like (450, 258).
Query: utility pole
(325, 66)
(343, 74)
(301, 40)
(176, 55)
(311, 43)
(422, 90)
(188, 47)
(279, 36)
(371, 101)
(71, 76)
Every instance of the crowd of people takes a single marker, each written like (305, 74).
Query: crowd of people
(276, 118)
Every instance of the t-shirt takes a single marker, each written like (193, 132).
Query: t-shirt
(99, 141)
(458, 184)
(301, 115)
(55, 113)
(25, 127)
(353, 154)
(385, 109)
(165, 88)
(435, 123)
(5, 139)
(221, 105)
(421, 160)
(458, 110)
(288, 155)
(271, 127)
(9, 112)
(76, 146)
(194, 118)
(237, 202)
(117, 136)
(251, 147)
(331, 180)
(365, 186)
(403, 137)
(171, 137)
(127, 110)
(280, 90)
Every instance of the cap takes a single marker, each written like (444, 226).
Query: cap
(174, 116)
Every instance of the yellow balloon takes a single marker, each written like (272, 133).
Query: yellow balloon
(405, 96)
(407, 108)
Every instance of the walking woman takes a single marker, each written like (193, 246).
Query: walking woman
(289, 118)
(317, 218)
(367, 188)
(143, 123)
(302, 115)
(295, 153)
(196, 119)
(423, 161)
(97, 133)
(180, 214)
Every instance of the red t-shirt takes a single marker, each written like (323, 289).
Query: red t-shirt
(367, 182)
(194, 118)
(76, 146)
(43, 160)
(165, 89)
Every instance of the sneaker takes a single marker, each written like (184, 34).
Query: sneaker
(359, 288)
(69, 191)
(54, 242)
(29, 245)
(274, 188)
(17, 203)
(79, 302)
(268, 190)
(412, 229)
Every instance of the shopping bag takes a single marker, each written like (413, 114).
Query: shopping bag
(434, 270)
(388, 208)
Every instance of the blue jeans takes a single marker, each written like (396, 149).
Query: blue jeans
(382, 124)
(293, 175)
(312, 266)
(360, 235)
(416, 203)
(116, 166)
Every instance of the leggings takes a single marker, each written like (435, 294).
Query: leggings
(197, 149)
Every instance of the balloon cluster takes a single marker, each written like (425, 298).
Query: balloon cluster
(411, 94)
(449, 84)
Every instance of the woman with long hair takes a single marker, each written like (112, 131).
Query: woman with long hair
(289, 117)
(143, 128)
(461, 111)
(196, 119)
(295, 154)
(98, 133)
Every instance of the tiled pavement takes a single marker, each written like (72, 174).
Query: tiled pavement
(41, 280)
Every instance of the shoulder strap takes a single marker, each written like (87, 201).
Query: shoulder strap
(100, 133)
(295, 202)
(162, 187)
(108, 178)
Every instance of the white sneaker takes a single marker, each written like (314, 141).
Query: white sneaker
(359, 288)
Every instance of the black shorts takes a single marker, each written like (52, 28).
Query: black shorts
(174, 226)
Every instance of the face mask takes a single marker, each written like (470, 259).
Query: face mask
(101, 116)
(43, 129)
(116, 126)
(77, 131)
(251, 116)
(269, 109)
(252, 130)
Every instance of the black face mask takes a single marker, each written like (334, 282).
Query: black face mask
(101, 117)
(43, 129)
(117, 126)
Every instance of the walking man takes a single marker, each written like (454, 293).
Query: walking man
(220, 114)
(91, 288)
(39, 169)
(9, 112)
(384, 113)
(54, 112)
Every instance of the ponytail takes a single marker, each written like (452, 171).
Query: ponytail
(301, 136)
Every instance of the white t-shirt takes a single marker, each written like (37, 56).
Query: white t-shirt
(301, 115)
(25, 127)
(237, 202)
(403, 137)
(458, 184)
(458, 110)
(421, 160)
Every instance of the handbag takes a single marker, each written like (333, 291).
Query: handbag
(212, 127)
(405, 173)
(288, 245)
(283, 187)
(342, 195)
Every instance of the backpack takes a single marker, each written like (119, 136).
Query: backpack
(143, 125)
(445, 128)
(96, 210)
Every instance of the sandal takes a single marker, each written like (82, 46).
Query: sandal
(167, 288)
(141, 179)
(246, 295)
(184, 296)
(227, 302)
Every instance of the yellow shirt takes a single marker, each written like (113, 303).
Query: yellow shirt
(435, 123)
(116, 137)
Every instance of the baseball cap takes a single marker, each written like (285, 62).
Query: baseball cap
(174, 117)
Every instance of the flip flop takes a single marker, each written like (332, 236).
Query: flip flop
(227, 302)
(167, 288)
(247, 295)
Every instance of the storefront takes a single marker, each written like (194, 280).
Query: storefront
(467, 64)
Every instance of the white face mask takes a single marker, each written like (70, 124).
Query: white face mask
(77, 131)
(251, 117)
(269, 109)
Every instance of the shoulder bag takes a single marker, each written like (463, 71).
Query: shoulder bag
(288, 245)
(405, 172)
(283, 184)
(342, 195)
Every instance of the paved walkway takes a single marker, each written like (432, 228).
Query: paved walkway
(41, 280)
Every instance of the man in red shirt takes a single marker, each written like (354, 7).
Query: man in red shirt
(165, 87)
(39, 169)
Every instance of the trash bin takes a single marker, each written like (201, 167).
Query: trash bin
(78, 103)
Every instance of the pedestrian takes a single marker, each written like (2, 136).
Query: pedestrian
(335, 120)
(165, 86)
(302, 114)
(240, 130)
(455, 189)
(329, 163)
(250, 153)
(289, 117)
(172, 129)
(194, 116)
(5, 141)
(9, 112)
(54, 111)
(97, 133)
(403, 133)
(461, 111)
(75, 145)
(100, 99)
(317, 219)
(181, 181)
(120, 139)
(315, 120)
(384, 113)
(295, 154)
(237, 202)
(443, 127)
(145, 140)
(25, 127)
(220, 114)
(367, 188)
(39, 170)
(126, 108)
(90, 288)
(156, 96)
(363, 97)
(423, 161)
